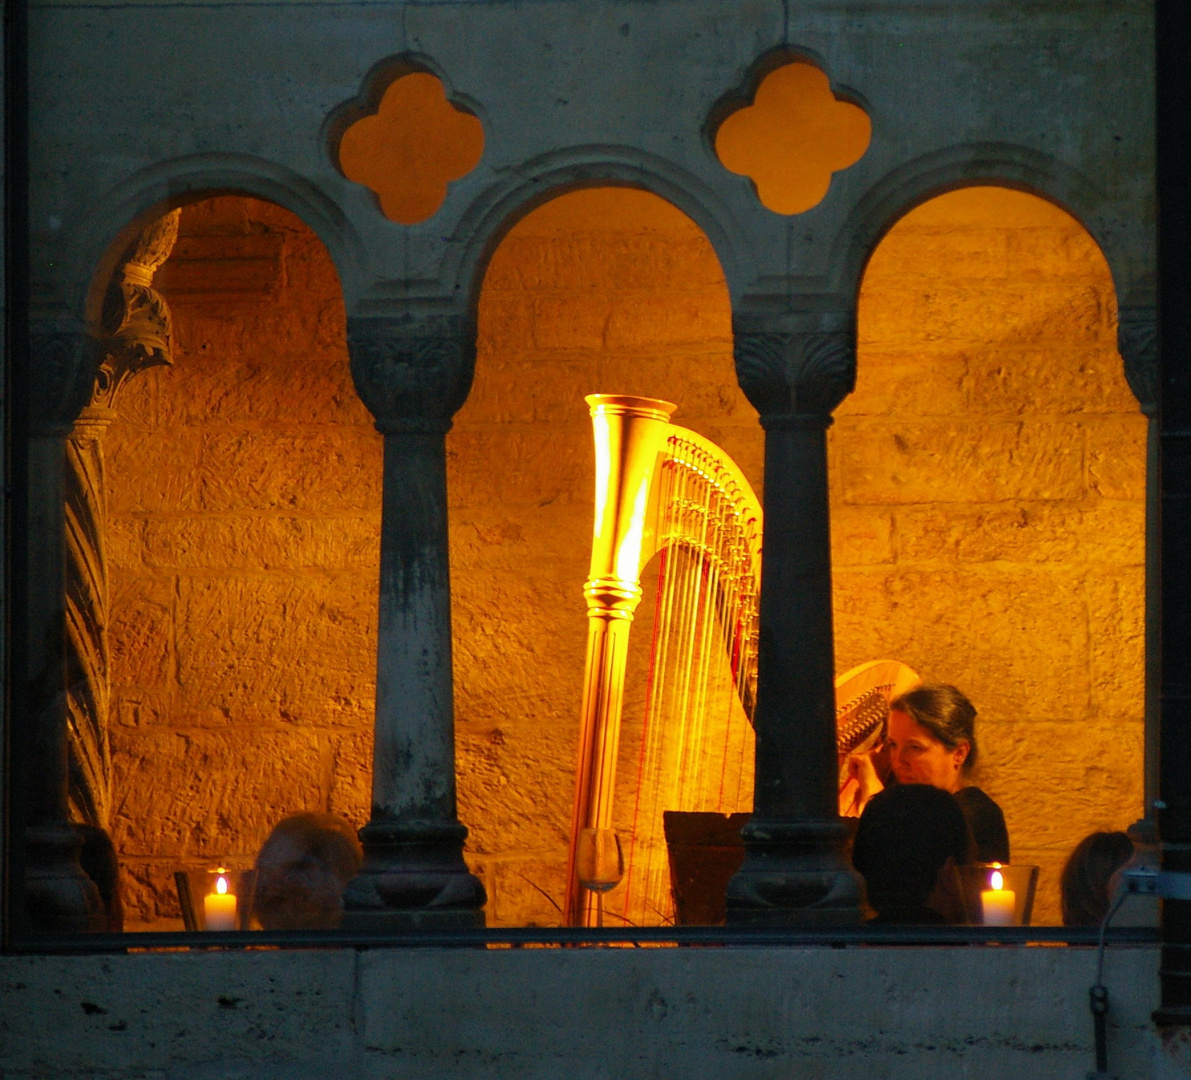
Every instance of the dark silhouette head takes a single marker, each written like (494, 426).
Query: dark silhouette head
(302, 870)
(905, 838)
(1085, 879)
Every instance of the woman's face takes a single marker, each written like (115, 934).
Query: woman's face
(918, 757)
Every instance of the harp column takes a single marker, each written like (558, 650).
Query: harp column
(413, 372)
(795, 369)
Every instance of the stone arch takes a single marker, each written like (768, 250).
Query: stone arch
(971, 165)
(520, 460)
(235, 430)
(487, 221)
(989, 504)
(112, 223)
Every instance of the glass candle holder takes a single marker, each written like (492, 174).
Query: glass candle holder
(999, 894)
(215, 899)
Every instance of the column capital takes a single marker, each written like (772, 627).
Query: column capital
(1137, 341)
(795, 364)
(137, 326)
(412, 370)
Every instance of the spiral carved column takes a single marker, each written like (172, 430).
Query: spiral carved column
(61, 744)
(136, 335)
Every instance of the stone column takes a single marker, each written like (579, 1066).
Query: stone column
(137, 335)
(413, 373)
(58, 896)
(1137, 342)
(795, 369)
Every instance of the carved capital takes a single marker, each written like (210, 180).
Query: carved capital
(1137, 340)
(137, 325)
(412, 371)
(62, 359)
(795, 371)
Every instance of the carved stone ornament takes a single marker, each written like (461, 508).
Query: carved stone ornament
(796, 374)
(137, 326)
(136, 335)
(412, 372)
(1137, 340)
(87, 675)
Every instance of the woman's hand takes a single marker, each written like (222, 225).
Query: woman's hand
(862, 784)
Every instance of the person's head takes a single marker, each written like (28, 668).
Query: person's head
(1086, 876)
(931, 737)
(301, 872)
(909, 841)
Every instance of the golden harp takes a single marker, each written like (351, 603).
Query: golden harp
(665, 491)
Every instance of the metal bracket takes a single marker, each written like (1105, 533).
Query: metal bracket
(1164, 884)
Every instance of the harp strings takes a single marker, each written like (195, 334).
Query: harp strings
(697, 745)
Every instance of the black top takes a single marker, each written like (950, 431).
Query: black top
(987, 823)
(914, 915)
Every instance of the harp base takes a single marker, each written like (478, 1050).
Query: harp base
(414, 877)
(795, 874)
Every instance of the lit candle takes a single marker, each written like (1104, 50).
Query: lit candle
(219, 907)
(998, 903)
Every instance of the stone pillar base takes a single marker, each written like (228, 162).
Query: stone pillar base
(413, 878)
(59, 897)
(795, 874)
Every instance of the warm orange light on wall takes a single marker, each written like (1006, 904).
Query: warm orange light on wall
(415, 144)
(793, 137)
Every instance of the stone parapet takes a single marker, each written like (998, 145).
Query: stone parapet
(905, 1013)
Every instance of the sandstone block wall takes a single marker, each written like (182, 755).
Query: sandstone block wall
(988, 506)
(987, 514)
(244, 500)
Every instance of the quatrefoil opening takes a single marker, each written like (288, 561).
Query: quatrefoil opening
(411, 148)
(793, 137)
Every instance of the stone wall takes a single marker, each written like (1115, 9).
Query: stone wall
(988, 485)
(244, 488)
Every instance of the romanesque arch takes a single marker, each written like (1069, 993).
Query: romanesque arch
(231, 499)
(989, 504)
(602, 289)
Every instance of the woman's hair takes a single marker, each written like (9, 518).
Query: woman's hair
(1087, 874)
(945, 712)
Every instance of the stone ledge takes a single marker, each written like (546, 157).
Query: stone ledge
(897, 1012)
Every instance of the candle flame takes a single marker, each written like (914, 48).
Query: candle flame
(995, 882)
(221, 885)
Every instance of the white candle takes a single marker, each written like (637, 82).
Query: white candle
(219, 907)
(999, 904)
